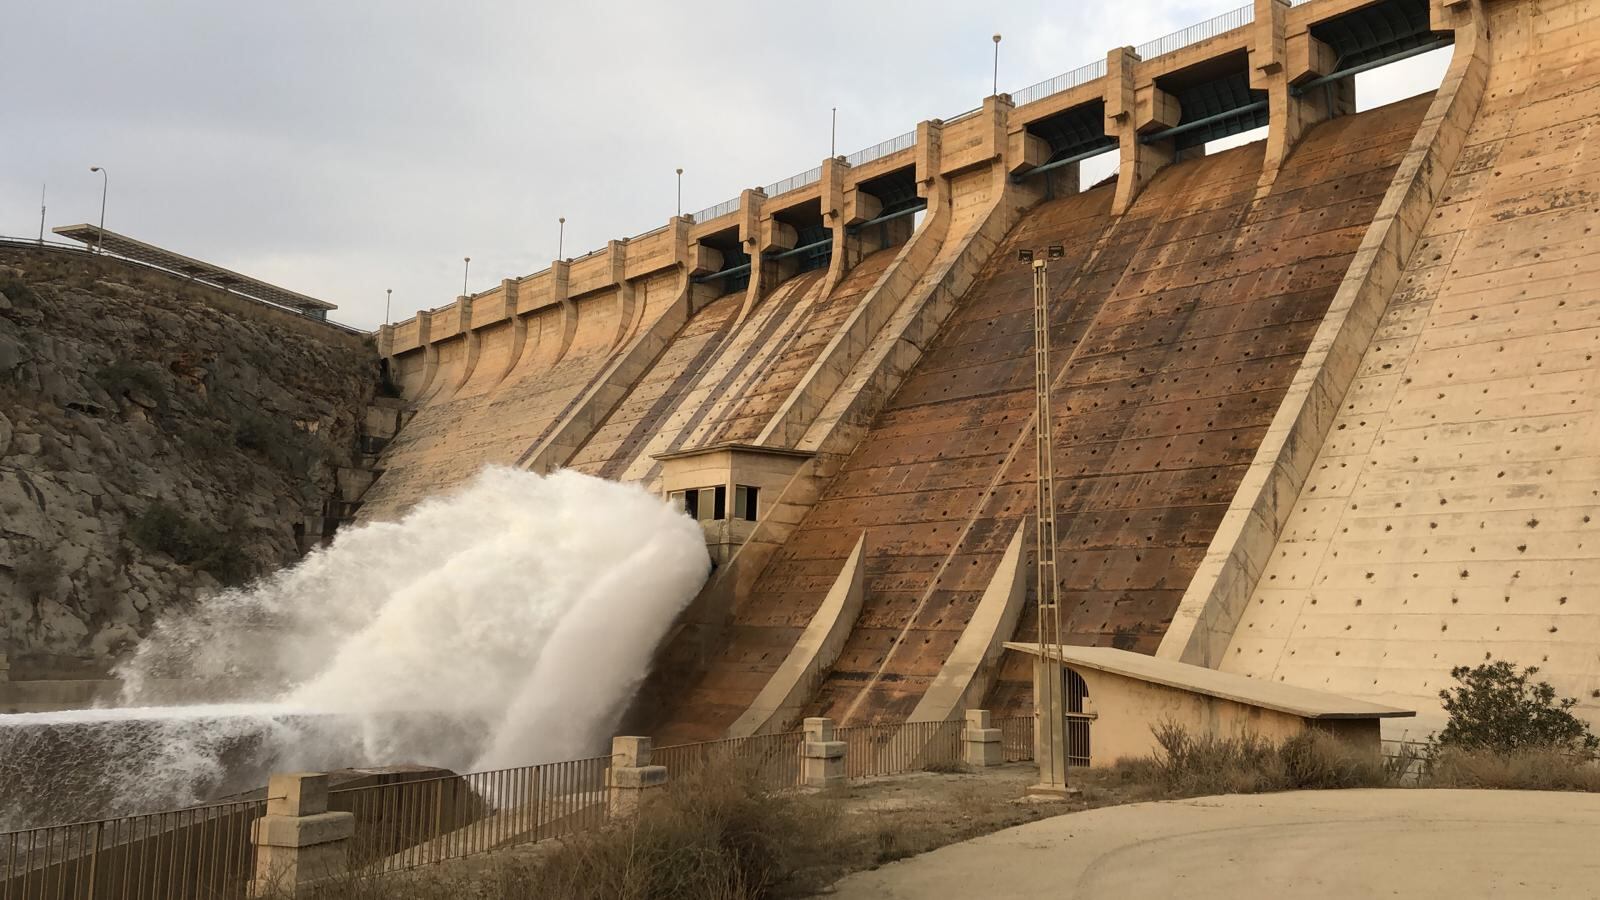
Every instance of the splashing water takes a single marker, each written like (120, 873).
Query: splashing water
(507, 624)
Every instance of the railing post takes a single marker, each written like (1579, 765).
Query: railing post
(631, 774)
(299, 842)
(981, 740)
(822, 760)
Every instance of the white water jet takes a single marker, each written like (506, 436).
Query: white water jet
(506, 624)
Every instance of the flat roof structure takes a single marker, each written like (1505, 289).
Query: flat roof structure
(1285, 698)
(203, 272)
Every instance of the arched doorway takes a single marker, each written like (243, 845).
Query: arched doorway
(1076, 728)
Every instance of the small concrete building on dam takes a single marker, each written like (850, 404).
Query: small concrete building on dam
(1326, 405)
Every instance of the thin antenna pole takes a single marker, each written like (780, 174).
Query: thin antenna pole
(561, 237)
(833, 134)
(465, 268)
(41, 213)
(680, 192)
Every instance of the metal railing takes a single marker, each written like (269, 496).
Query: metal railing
(794, 182)
(1066, 81)
(415, 823)
(1016, 738)
(200, 853)
(895, 749)
(1194, 34)
(720, 210)
(883, 148)
(967, 114)
(772, 759)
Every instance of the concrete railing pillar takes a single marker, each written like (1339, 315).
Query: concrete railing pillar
(299, 842)
(822, 762)
(980, 740)
(632, 776)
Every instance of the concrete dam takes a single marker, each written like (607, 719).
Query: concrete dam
(1326, 405)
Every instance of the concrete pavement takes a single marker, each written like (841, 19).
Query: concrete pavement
(1305, 844)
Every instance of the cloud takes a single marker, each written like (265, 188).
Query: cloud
(343, 148)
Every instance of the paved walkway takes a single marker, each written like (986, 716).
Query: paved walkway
(1311, 844)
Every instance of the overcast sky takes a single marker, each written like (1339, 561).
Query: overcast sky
(341, 148)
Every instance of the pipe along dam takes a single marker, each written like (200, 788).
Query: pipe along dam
(1326, 411)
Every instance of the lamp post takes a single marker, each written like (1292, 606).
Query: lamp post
(41, 213)
(561, 236)
(465, 268)
(105, 184)
(994, 87)
(680, 192)
(388, 295)
(833, 134)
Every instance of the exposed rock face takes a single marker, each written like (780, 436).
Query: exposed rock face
(157, 440)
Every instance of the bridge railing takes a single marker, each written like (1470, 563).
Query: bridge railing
(1066, 81)
(794, 182)
(883, 148)
(1196, 33)
(717, 211)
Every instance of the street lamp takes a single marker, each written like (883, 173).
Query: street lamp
(833, 134)
(388, 295)
(465, 268)
(561, 237)
(105, 184)
(994, 88)
(680, 192)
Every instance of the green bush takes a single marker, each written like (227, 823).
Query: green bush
(1500, 709)
(162, 528)
(124, 376)
(36, 573)
(276, 440)
(17, 290)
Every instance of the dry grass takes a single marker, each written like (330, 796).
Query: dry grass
(1194, 766)
(1524, 770)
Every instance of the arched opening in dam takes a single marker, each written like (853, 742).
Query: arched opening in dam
(506, 623)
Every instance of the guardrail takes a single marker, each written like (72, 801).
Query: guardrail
(895, 749)
(416, 823)
(717, 211)
(794, 182)
(1066, 81)
(207, 852)
(772, 759)
(883, 148)
(200, 853)
(1194, 34)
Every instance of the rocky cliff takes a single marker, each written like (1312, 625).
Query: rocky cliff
(158, 440)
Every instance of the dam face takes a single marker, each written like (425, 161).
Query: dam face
(1326, 406)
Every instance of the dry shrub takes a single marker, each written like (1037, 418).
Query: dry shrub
(715, 836)
(1523, 770)
(1196, 765)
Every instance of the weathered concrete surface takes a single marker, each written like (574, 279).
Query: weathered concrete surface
(530, 369)
(1453, 511)
(1310, 844)
(1162, 407)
